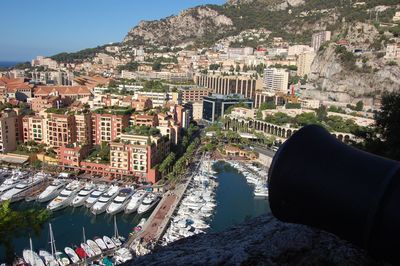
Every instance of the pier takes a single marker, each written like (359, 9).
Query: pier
(142, 242)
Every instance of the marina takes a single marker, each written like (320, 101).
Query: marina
(214, 196)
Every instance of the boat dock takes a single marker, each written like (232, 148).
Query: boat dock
(142, 242)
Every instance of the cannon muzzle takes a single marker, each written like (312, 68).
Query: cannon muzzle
(319, 181)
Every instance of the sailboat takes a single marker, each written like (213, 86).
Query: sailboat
(116, 238)
(88, 250)
(55, 258)
(31, 257)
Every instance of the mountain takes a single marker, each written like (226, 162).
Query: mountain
(191, 25)
(294, 20)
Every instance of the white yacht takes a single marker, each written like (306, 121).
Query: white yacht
(32, 258)
(51, 191)
(24, 185)
(9, 183)
(95, 195)
(135, 201)
(120, 201)
(83, 195)
(65, 197)
(148, 202)
(105, 199)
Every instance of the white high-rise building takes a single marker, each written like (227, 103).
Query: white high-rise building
(276, 79)
(319, 38)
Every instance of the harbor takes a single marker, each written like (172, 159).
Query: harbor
(212, 196)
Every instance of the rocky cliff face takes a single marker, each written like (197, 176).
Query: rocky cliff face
(365, 77)
(188, 26)
(260, 241)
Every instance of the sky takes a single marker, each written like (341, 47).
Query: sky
(46, 27)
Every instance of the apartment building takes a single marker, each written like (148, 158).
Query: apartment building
(34, 129)
(41, 103)
(144, 120)
(8, 140)
(319, 38)
(194, 94)
(159, 99)
(225, 85)
(304, 62)
(276, 79)
(60, 130)
(83, 124)
(108, 127)
(73, 92)
(137, 155)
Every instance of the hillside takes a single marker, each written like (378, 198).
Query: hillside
(294, 20)
(192, 25)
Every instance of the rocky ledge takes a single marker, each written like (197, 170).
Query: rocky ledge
(260, 241)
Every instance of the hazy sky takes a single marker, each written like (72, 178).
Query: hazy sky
(46, 27)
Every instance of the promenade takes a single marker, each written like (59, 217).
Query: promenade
(141, 243)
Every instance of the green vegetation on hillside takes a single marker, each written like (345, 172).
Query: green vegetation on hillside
(78, 56)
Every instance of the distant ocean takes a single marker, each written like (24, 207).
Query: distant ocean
(8, 63)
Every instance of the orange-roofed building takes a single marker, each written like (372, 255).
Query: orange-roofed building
(73, 92)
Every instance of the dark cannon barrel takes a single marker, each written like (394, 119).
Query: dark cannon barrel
(319, 181)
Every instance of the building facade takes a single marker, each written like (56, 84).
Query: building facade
(276, 79)
(304, 62)
(319, 38)
(225, 85)
(215, 106)
(8, 139)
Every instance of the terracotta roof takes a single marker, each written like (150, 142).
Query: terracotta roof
(62, 90)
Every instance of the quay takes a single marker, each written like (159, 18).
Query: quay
(142, 242)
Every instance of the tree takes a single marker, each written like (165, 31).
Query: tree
(14, 224)
(156, 65)
(388, 125)
(321, 113)
(359, 106)
(237, 68)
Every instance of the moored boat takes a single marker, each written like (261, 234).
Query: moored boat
(32, 258)
(135, 201)
(95, 195)
(79, 199)
(94, 246)
(65, 197)
(71, 254)
(120, 201)
(99, 241)
(105, 199)
(52, 191)
(109, 243)
(148, 202)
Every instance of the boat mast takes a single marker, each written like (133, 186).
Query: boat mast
(116, 235)
(84, 241)
(31, 245)
(52, 241)
(84, 236)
